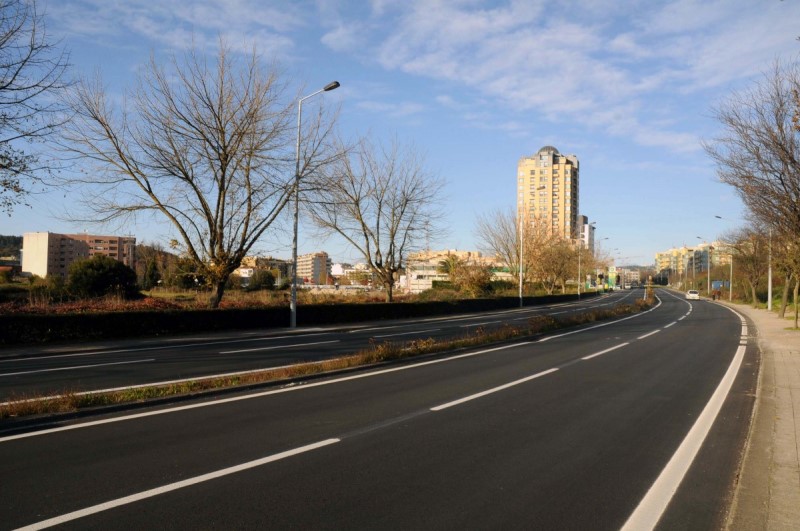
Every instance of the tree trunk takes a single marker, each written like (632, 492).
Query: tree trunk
(216, 294)
(796, 309)
(389, 293)
(754, 298)
(785, 297)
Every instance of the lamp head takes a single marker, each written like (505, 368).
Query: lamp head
(331, 86)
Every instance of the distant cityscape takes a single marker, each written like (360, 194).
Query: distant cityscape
(548, 192)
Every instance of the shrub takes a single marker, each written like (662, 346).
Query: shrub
(101, 275)
(44, 291)
(151, 276)
(234, 282)
(261, 279)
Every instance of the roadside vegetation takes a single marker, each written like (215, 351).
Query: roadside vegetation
(757, 153)
(378, 352)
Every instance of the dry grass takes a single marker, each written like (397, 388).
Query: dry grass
(376, 352)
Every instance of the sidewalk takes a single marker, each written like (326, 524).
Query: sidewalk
(767, 496)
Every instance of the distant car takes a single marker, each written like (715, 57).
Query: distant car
(627, 286)
(693, 294)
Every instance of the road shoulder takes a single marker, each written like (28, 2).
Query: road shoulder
(768, 491)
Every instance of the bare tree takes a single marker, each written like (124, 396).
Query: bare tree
(207, 145)
(786, 260)
(758, 153)
(32, 72)
(383, 202)
(748, 248)
(500, 234)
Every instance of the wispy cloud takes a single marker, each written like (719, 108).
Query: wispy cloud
(617, 67)
(399, 109)
(603, 63)
(180, 25)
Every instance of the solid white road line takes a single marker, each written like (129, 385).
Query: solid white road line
(76, 367)
(671, 324)
(166, 382)
(276, 347)
(376, 328)
(256, 395)
(64, 518)
(652, 507)
(490, 391)
(600, 325)
(411, 333)
(590, 356)
(479, 324)
(161, 347)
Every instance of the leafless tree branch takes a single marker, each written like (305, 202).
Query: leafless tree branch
(206, 144)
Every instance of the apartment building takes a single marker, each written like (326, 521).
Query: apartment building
(547, 189)
(49, 253)
(422, 268)
(314, 268)
(688, 261)
(250, 264)
(586, 233)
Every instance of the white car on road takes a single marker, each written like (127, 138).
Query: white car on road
(693, 294)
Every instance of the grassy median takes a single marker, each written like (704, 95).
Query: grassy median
(378, 352)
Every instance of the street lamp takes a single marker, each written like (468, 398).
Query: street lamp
(293, 304)
(708, 265)
(522, 247)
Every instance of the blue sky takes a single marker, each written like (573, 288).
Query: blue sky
(627, 86)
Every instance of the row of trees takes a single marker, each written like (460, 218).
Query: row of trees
(544, 256)
(758, 155)
(206, 144)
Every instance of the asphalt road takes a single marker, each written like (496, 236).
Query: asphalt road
(51, 370)
(583, 430)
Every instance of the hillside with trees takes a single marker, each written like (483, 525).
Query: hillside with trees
(10, 245)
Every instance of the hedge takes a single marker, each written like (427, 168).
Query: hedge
(37, 328)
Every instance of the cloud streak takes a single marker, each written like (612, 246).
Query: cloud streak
(603, 63)
(617, 67)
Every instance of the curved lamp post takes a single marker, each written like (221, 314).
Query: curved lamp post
(293, 304)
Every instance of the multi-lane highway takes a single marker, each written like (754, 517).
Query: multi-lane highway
(617, 424)
(82, 367)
